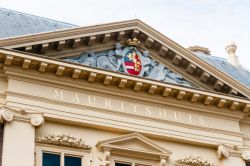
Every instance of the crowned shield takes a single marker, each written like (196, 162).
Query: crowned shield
(132, 63)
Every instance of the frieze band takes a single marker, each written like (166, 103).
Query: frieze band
(129, 107)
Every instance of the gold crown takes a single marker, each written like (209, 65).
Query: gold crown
(134, 42)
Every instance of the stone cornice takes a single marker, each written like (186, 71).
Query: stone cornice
(167, 48)
(59, 68)
(9, 114)
(68, 33)
(194, 60)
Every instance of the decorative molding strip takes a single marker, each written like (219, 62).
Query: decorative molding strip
(195, 161)
(63, 140)
(8, 114)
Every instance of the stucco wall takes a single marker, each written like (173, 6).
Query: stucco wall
(93, 135)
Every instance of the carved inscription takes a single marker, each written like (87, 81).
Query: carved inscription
(132, 108)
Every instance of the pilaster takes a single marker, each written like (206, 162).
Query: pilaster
(19, 136)
(233, 161)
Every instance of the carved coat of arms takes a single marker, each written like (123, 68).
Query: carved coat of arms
(132, 63)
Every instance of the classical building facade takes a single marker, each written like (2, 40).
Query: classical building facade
(120, 94)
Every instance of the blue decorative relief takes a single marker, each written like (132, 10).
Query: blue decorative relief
(131, 61)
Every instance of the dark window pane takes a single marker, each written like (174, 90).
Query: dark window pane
(72, 161)
(120, 164)
(51, 159)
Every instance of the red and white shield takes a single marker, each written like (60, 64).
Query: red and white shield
(132, 61)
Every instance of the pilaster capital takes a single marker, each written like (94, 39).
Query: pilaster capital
(36, 120)
(163, 161)
(238, 151)
(8, 114)
(246, 155)
(223, 151)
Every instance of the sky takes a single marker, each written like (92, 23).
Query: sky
(208, 23)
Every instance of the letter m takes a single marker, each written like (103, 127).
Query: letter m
(58, 94)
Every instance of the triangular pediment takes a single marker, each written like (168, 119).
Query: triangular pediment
(73, 42)
(133, 144)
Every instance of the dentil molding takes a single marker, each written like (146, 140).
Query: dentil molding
(8, 114)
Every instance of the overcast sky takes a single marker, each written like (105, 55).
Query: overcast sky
(208, 23)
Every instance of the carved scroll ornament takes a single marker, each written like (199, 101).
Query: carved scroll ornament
(195, 161)
(63, 140)
(223, 151)
(8, 114)
(246, 155)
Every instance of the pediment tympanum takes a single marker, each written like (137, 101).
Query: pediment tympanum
(135, 145)
(69, 43)
(132, 60)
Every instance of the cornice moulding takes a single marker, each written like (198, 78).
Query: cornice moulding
(73, 32)
(76, 85)
(8, 57)
(188, 126)
(192, 58)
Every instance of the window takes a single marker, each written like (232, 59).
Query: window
(72, 161)
(47, 155)
(121, 164)
(50, 159)
(133, 162)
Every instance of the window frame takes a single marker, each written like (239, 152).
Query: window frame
(134, 161)
(62, 151)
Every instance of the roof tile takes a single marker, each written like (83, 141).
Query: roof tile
(14, 23)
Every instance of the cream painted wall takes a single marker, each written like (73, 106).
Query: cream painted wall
(18, 144)
(3, 87)
(92, 136)
(96, 124)
(40, 96)
(245, 129)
